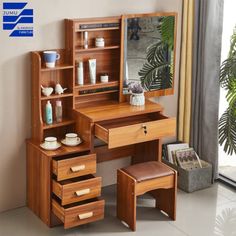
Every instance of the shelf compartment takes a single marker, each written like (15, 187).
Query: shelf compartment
(110, 38)
(64, 122)
(92, 49)
(63, 77)
(57, 96)
(57, 67)
(97, 85)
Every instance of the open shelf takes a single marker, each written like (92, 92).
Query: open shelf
(92, 49)
(58, 67)
(56, 96)
(59, 124)
(98, 85)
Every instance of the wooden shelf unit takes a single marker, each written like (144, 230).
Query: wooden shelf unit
(108, 58)
(62, 73)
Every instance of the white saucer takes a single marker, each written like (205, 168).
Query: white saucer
(42, 145)
(79, 141)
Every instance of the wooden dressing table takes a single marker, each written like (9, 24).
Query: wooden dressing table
(61, 187)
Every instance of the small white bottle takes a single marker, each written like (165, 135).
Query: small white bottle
(86, 39)
(58, 111)
(48, 113)
(80, 73)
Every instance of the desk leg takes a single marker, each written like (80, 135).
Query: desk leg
(148, 151)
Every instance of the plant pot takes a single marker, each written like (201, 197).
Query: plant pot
(137, 99)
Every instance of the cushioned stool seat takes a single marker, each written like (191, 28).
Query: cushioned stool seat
(148, 170)
(154, 177)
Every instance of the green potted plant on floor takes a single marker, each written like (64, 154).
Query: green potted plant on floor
(227, 122)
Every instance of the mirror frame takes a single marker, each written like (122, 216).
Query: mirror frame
(156, 93)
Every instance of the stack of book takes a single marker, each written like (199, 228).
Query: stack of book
(180, 154)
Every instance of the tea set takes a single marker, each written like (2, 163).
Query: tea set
(51, 143)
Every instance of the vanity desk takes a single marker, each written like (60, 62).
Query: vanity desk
(61, 185)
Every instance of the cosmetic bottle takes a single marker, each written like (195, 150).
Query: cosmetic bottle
(58, 111)
(80, 73)
(92, 70)
(85, 39)
(48, 113)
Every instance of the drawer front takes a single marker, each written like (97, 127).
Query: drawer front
(74, 167)
(77, 191)
(78, 215)
(147, 131)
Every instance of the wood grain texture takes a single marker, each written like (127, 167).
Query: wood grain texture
(147, 151)
(123, 132)
(166, 182)
(166, 199)
(163, 189)
(39, 183)
(62, 73)
(113, 110)
(66, 190)
(63, 150)
(63, 168)
(105, 154)
(126, 199)
(70, 215)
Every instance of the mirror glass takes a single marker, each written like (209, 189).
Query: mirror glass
(149, 52)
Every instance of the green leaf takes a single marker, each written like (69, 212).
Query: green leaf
(227, 131)
(167, 30)
(156, 73)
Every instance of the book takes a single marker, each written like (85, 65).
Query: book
(175, 147)
(188, 159)
(164, 149)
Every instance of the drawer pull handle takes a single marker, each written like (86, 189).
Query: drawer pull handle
(85, 215)
(82, 192)
(77, 168)
(144, 129)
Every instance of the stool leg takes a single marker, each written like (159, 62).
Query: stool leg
(126, 199)
(166, 199)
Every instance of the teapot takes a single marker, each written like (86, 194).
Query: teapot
(47, 91)
(59, 89)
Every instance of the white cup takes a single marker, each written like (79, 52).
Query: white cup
(72, 138)
(50, 142)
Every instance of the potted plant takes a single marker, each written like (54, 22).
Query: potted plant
(227, 122)
(137, 94)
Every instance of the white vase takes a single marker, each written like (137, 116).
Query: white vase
(137, 99)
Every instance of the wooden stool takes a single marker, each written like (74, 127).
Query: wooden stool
(138, 179)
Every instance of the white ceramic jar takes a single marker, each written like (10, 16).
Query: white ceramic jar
(99, 42)
(137, 99)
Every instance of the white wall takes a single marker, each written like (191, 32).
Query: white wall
(15, 80)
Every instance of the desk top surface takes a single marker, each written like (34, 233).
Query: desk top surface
(115, 110)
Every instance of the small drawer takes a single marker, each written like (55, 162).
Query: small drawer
(137, 129)
(77, 214)
(78, 189)
(74, 167)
